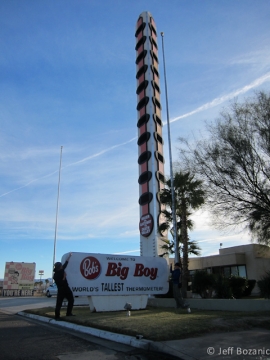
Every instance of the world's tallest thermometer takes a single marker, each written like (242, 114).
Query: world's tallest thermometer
(150, 142)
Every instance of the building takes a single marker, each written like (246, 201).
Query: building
(150, 142)
(250, 261)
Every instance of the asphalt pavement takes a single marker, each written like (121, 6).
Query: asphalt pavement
(241, 345)
(22, 338)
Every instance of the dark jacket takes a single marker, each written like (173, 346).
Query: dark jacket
(175, 275)
(59, 276)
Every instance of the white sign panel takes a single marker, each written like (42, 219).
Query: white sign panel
(101, 274)
(19, 279)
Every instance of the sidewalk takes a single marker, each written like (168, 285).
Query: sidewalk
(248, 345)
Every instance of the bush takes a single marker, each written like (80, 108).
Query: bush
(238, 285)
(264, 285)
(222, 288)
(249, 287)
(203, 283)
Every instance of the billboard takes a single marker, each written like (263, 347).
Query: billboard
(19, 279)
(104, 274)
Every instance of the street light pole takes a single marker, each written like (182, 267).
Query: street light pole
(57, 208)
(175, 238)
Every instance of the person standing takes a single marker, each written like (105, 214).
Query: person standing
(176, 280)
(64, 290)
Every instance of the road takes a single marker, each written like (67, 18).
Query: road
(24, 339)
(12, 305)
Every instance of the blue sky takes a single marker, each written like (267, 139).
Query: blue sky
(67, 72)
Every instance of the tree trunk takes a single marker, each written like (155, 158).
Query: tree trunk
(184, 234)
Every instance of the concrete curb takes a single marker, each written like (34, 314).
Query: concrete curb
(144, 344)
(124, 339)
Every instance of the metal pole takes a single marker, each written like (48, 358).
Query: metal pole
(57, 207)
(176, 245)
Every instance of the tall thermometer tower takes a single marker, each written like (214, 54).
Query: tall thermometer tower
(150, 142)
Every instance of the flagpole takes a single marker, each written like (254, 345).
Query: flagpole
(57, 208)
(175, 237)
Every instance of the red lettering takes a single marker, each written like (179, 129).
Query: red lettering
(153, 273)
(140, 270)
(111, 270)
(117, 270)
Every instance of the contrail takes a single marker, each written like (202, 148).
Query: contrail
(222, 99)
(21, 187)
(76, 162)
(29, 183)
(127, 252)
(100, 153)
(215, 102)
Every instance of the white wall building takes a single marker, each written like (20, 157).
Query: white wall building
(251, 261)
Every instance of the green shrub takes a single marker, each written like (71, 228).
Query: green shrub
(264, 285)
(222, 288)
(238, 285)
(202, 283)
(249, 287)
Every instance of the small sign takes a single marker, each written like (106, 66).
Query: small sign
(146, 225)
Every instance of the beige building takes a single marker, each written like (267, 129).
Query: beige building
(250, 261)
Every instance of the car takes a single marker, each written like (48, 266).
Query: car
(51, 290)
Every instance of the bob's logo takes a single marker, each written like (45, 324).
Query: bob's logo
(90, 268)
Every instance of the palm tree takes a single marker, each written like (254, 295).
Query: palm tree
(189, 195)
(169, 247)
(47, 282)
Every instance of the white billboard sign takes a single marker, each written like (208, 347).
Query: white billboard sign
(103, 274)
(19, 279)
